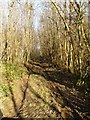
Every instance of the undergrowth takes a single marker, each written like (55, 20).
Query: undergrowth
(10, 72)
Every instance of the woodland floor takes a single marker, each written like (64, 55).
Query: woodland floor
(33, 96)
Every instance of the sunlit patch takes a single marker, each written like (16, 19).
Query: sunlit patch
(38, 46)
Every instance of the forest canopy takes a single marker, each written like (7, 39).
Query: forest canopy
(54, 32)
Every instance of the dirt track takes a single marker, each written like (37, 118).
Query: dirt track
(36, 97)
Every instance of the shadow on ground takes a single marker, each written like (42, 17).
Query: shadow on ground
(49, 95)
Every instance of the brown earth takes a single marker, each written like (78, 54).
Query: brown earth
(36, 97)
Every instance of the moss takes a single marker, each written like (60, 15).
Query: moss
(4, 89)
(12, 71)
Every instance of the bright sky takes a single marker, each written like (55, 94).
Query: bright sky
(38, 9)
(37, 5)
